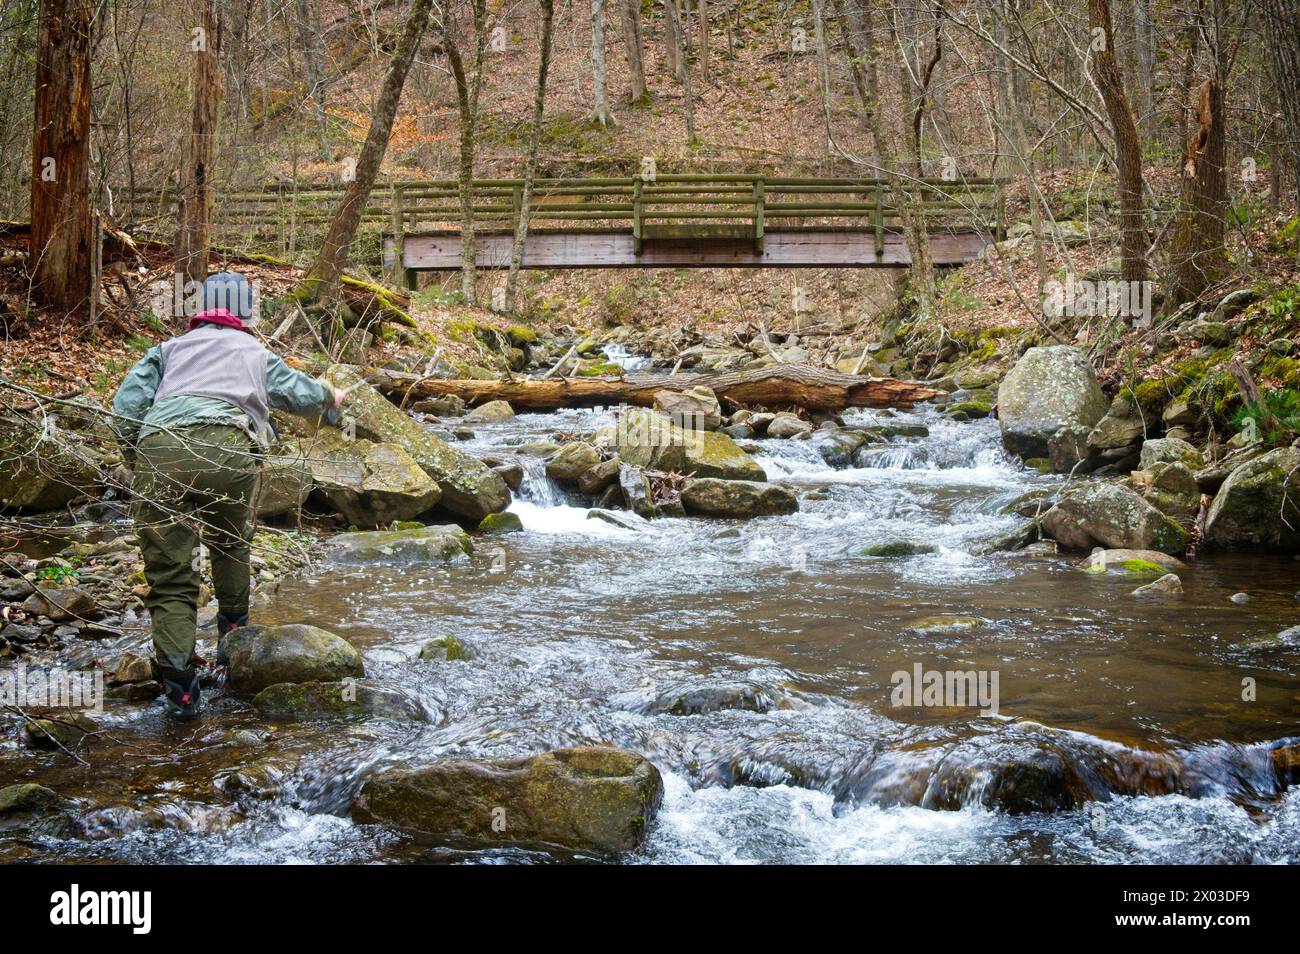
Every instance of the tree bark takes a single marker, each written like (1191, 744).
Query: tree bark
(776, 386)
(534, 143)
(468, 85)
(600, 99)
(673, 58)
(322, 279)
(61, 253)
(1197, 253)
(629, 12)
(194, 197)
(679, 38)
(1145, 42)
(1128, 145)
(1282, 29)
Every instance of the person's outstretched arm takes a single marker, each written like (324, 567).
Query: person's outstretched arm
(297, 393)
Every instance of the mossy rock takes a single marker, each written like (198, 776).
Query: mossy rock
(447, 649)
(262, 656)
(498, 523)
(326, 701)
(897, 548)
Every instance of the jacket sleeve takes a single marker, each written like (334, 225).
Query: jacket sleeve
(295, 392)
(134, 398)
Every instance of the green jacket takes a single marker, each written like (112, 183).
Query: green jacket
(138, 416)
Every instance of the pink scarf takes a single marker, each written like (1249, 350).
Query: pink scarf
(218, 316)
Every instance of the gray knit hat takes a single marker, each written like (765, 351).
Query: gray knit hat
(231, 292)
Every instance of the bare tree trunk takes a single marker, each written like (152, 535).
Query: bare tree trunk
(600, 102)
(311, 43)
(629, 12)
(702, 11)
(322, 279)
(673, 58)
(823, 71)
(679, 37)
(194, 197)
(1282, 28)
(60, 202)
(467, 90)
(1197, 253)
(534, 143)
(1145, 35)
(1128, 146)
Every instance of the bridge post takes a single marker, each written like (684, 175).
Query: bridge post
(638, 212)
(760, 201)
(878, 220)
(398, 273)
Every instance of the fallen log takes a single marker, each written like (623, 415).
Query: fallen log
(815, 389)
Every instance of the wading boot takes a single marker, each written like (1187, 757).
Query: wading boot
(181, 691)
(225, 626)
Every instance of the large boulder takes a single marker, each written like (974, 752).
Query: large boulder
(1049, 389)
(1122, 426)
(1258, 506)
(262, 656)
(284, 482)
(44, 467)
(644, 438)
(1112, 516)
(572, 461)
(710, 497)
(593, 798)
(696, 408)
(369, 484)
(469, 487)
(441, 543)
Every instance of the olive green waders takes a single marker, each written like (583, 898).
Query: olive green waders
(193, 485)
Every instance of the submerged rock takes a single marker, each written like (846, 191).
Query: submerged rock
(64, 732)
(593, 798)
(1109, 515)
(444, 543)
(262, 656)
(1168, 584)
(696, 700)
(709, 497)
(938, 625)
(1050, 388)
(1258, 506)
(28, 804)
(347, 699)
(447, 649)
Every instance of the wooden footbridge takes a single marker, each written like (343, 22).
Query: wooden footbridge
(725, 220)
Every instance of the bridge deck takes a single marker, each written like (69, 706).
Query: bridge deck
(607, 248)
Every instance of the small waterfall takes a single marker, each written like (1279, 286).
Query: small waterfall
(537, 488)
(620, 356)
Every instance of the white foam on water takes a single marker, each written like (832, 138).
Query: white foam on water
(571, 521)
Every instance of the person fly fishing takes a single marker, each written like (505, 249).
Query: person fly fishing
(193, 417)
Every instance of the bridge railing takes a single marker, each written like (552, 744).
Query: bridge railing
(669, 205)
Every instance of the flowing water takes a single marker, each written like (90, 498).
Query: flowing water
(590, 632)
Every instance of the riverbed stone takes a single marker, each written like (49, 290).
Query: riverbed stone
(28, 802)
(63, 732)
(469, 487)
(1258, 506)
(1170, 487)
(262, 656)
(44, 468)
(788, 425)
(572, 461)
(695, 408)
(442, 542)
(1169, 450)
(344, 699)
(369, 484)
(710, 497)
(1131, 561)
(693, 699)
(1048, 389)
(592, 798)
(1167, 585)
(593, 481)
(60, 603)
(897, 548)
(447, 649)
(499, 523)
(284, 482)
(1113, 516)
(492, 412)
